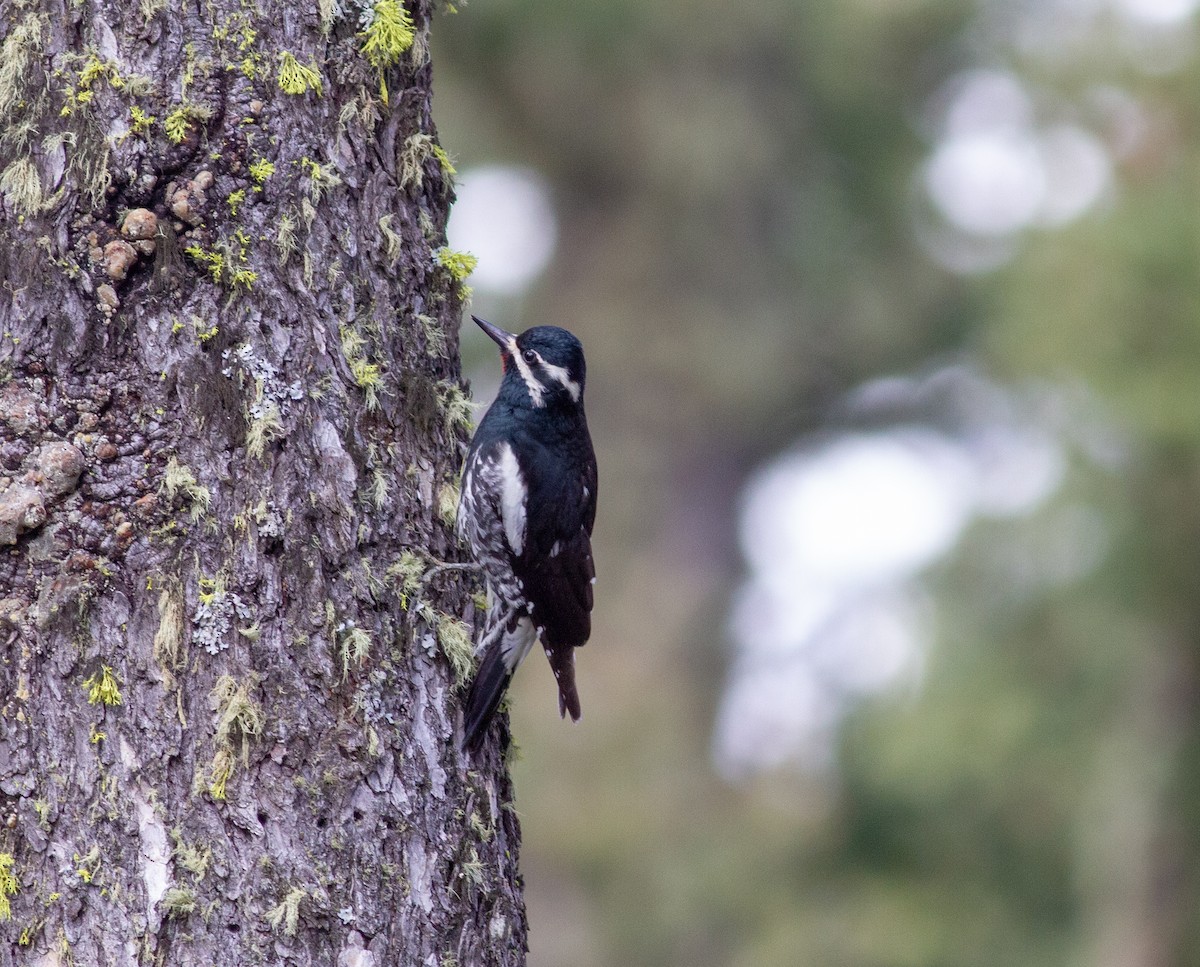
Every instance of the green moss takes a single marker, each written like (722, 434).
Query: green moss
(296, 78)
(242, 278)
(447, 503)
(355, 648)
(178, 902)
(195, 859)
(235, 200)
(485, 831)
(367, 375)
(103, 688)
(178, 480)
(454, 637)
(393, 245)
(239, 717)
(406, 574)
(10, 886)
(286, 914)
(224, 264)
(214, 262)
(167, 649)
(266, 424)
(41, 809)
(321, 180)
(17, 53)
(93, 71)
(21, 184)
(419, 148)
(444, 161)
(88, 865)
(327, 9)
(285, 238)
(455, 406)
(379, 488)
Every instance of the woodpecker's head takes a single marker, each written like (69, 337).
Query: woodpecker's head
(543, 364)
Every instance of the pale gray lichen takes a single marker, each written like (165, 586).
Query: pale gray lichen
(215, 614)
(242, 359)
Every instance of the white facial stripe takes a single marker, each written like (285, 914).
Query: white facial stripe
(561, 374)
(535, 388)
(512, 498)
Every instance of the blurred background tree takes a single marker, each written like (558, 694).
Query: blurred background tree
(891, 317)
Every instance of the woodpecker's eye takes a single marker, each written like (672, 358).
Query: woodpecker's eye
(529, 356)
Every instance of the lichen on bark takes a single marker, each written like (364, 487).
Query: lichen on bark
(202, 497)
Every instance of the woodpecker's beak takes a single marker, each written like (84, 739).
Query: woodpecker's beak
(502, 339)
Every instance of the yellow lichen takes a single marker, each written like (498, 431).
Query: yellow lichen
(389, 35)
(9, 885)
(140, 120)
(260, 171)
(460, 265)
(296, 78)
(103, 688)
(179, 121)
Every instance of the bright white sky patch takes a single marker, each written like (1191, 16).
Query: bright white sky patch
(504, 216)
(1161, 13)
(837, 536)
(987, 183)
(994, 172)
(865, 508)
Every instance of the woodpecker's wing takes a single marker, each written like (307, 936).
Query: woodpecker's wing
(555, 565)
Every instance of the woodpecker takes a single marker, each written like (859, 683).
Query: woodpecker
(527, 508)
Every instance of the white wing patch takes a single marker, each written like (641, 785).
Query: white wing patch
(512, 497)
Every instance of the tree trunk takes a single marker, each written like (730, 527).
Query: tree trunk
(230, 425)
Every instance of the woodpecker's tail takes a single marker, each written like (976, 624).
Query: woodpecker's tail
(562, 662)
(496, 666)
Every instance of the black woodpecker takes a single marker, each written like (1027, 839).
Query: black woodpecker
(527, 508)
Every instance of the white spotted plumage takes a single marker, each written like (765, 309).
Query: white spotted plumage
(527, 509)
(492, 518)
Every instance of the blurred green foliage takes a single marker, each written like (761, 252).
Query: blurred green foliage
(736, 187)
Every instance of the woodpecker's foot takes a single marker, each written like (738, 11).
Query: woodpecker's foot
(493, 633)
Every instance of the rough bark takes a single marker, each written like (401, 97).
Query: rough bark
(231, 416)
